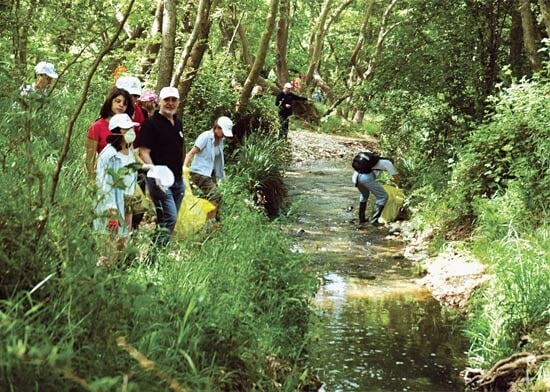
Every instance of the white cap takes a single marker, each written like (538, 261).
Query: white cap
(121, 120)
(167, 92)
(226, 125)
(287, 85)
(130, 84)
(44, 68)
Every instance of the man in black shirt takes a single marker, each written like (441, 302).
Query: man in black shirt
(284, 101)
(162, 143)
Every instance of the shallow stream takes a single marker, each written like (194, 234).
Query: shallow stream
(377, 330)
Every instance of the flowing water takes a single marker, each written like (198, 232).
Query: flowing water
(376, 330)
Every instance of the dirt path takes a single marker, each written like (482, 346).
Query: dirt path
(452, 275)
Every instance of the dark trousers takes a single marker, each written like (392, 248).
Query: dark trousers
(283, 121)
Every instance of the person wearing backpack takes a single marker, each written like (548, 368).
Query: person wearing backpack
(368, 166)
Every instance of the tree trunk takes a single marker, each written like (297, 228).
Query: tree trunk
(316, 40)
(168, 49)
(358, 116)
(282, 42)
(369, 73)
(545, 11)
(530, 41)
(247, 58)
(354, 59)
(152, 49)
(202, 18)
(260, 57)
(384, 30)
(515, 53)
(193, 62)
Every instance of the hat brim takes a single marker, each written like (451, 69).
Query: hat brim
(227, 132)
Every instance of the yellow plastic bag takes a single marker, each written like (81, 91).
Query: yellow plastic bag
(193, 211)
(394, 203)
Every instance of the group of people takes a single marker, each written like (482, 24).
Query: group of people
(126, 134)
(137, 145)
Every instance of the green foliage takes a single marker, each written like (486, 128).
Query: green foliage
(516, 301)
(208, 314)
(512, 146)
(211, 96)
(260, 163)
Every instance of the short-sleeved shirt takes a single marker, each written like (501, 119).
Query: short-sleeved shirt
(381, 165)
(139, 117)
(209, 159)
(99, 131)
(165, 142)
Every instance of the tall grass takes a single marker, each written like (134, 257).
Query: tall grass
(211, 313)
(516, 301)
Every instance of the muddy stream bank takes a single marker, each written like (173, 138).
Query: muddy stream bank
(377, 329)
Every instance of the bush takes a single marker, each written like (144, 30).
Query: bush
(260, 163)
(516, 301)
(512, 148)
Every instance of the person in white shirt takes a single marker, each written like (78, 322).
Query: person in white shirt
(115, 177)
(366, 183)
(207, 161)
(44, 73)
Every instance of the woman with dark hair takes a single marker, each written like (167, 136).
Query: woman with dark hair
(116, 179)
(117, 101)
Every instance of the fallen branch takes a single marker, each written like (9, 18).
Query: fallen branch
(505, 373)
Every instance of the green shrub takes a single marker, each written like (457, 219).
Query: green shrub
(259, 165)
(512, 147)
(516, 301)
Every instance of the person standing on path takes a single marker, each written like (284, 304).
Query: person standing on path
(366, 183)
(208, 165)
(284, 102)
(162, 143)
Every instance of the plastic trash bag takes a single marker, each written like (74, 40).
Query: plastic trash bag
(193, 211)
(394, 203)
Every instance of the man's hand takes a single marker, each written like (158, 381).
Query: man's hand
(147, 166)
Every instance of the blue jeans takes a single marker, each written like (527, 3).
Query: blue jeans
(367, 183)
(167, 205)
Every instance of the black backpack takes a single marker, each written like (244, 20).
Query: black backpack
(365, 161)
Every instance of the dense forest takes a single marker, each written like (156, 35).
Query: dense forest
(457, 91)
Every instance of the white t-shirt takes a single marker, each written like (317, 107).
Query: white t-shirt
(381, 165)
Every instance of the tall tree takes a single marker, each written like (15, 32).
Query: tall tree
(196, 54)
(260, 57)
(545, 13)
(282, 42)
(168, 48)
(153, 46)
(201, 19)
(529, 34)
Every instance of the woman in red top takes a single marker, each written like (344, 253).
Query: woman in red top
(118, 101)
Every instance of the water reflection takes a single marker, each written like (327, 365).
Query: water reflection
(376, 329)
(396, 340)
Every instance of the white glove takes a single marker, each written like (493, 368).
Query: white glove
(147, 166)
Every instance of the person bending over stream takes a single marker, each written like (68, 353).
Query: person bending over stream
(369, 166)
